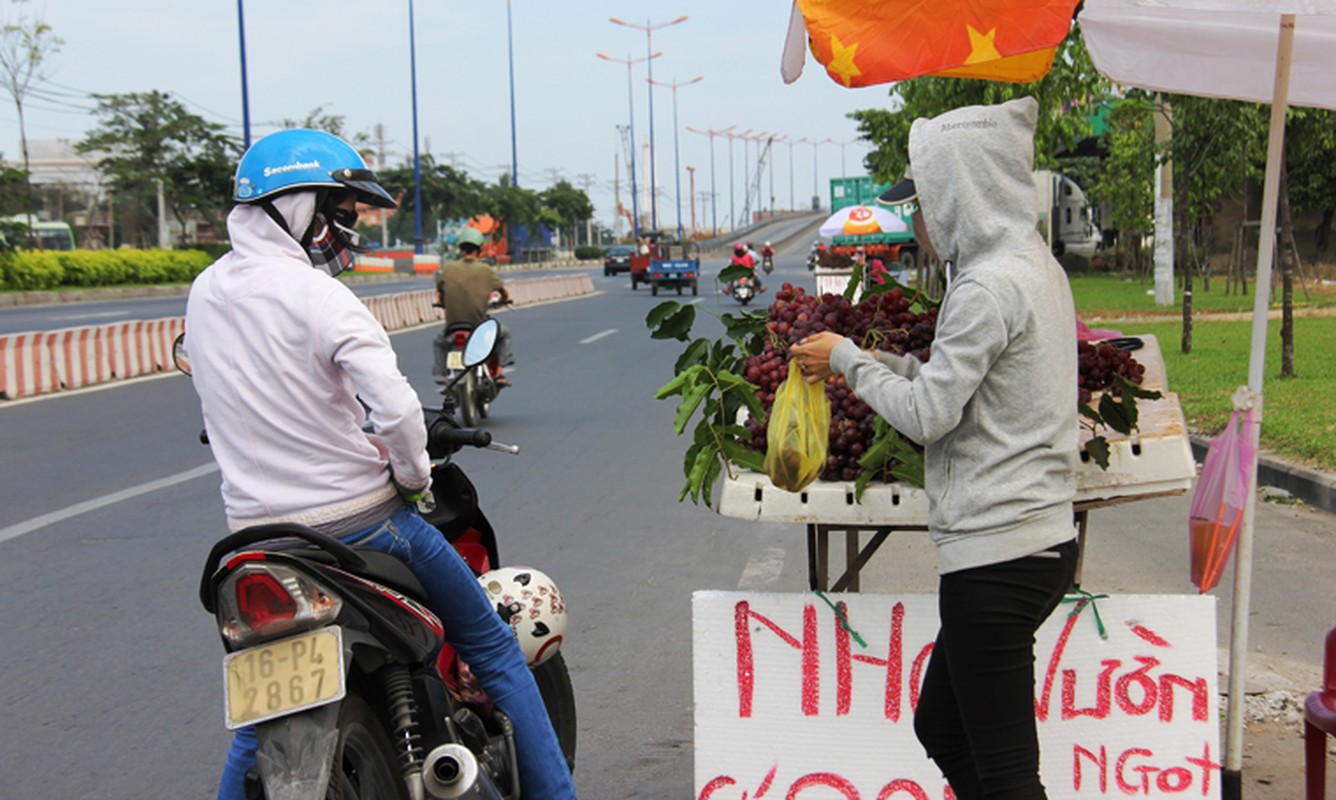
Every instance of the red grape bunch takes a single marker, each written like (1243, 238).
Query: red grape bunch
(1098, 363)
(884, 322)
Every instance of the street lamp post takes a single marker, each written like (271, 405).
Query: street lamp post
(649, 29)
(714, 218)
(245, 93)
(631, 110)
(514, 152)
(677, 153)
(816, 203)
(732, 220)
(417, 161)
(746, 175)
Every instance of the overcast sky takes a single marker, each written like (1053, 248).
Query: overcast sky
(352, 59)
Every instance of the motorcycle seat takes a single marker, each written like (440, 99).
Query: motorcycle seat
(382, 568)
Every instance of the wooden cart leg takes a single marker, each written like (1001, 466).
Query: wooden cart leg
(851, 563)
(1082, 521)
(817, 557)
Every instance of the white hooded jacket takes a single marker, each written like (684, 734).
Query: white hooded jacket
(995, 405)
(280, 353)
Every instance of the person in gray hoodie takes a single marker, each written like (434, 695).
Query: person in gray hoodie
(995, 408)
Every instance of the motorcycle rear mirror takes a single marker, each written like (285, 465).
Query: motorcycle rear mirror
(482, 343)
(180, 356)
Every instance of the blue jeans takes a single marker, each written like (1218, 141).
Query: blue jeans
(482, 640)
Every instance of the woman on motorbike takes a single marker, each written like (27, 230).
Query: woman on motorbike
(743, 256)
(283, 357)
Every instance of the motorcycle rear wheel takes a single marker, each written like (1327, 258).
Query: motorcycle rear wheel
(365, 766)
(554, 684)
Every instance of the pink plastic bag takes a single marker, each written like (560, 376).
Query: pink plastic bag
(1218, 500)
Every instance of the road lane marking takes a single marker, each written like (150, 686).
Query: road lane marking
(36, 523)
(597, 336)
(764, 567)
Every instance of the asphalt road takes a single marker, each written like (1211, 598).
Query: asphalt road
(110, 679)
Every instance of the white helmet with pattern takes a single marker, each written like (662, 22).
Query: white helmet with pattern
(531, 604)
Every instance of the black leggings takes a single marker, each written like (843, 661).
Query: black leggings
(975, 716)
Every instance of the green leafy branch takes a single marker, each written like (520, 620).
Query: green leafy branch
(706, 378)
(1117, 413)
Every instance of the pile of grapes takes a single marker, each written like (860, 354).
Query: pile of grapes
(1098, 363)
(883, 321)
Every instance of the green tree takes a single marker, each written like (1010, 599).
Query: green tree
(571, 205)
(1310, 158)
(317, 119)
(1127, 181)
(517, 207)
(146, 137)
(1072, 77)
(25, 45)
(447, 194)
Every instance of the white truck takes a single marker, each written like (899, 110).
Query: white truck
(1073, 233)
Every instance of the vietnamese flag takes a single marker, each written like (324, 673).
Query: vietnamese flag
(863, 43)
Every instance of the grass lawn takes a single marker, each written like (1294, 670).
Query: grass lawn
(1300, 412)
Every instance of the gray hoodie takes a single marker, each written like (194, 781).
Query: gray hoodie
(995, 405)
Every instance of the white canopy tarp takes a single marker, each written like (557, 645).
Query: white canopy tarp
(1266, 51)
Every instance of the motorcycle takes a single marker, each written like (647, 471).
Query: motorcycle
(768, 264)
(333, 656)
(743, 290)
(474, 388)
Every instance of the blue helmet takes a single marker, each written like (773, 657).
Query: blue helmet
(300, 158)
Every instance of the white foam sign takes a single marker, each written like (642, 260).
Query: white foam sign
(790, 704)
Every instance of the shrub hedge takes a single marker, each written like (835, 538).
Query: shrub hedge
(588, 252)
(30, 270)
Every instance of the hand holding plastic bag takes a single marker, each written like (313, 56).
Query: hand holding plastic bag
(798, 432)
(1217, 502)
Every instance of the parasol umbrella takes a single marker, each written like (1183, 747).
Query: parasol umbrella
(1266, 51)
(862, 220)
(863, 44)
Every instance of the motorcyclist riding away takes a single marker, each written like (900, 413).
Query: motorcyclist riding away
(744, 256)
(464, 289)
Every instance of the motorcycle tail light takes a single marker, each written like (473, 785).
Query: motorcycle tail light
(262, 600)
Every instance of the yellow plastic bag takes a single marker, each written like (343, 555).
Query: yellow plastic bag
(798, 433)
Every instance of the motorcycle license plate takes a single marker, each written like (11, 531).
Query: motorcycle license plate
(454, 359)
(283, 677)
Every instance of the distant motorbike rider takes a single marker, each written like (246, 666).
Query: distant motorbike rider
(464, 288)
(746, 257)
(767, 257)
(289, 365)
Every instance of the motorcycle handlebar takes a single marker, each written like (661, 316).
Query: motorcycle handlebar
(460, 437)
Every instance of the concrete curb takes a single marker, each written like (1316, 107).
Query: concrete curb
(44, 362)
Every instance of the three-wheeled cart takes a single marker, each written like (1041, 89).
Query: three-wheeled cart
(1155, 461)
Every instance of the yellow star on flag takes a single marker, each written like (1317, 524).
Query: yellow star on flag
(842, 60)
(982, 47)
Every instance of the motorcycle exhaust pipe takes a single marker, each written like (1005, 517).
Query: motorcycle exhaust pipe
(451, 772)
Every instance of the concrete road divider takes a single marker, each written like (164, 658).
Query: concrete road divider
(49, 361)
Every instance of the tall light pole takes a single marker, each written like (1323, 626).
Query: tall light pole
(677, 153)
(816, 203)
(514, 156)
(649, 28)
(417, 161)
(732, 219)
(745, 136)
(714, 218)
(631, 110)
(759, 138)
(245, 93)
